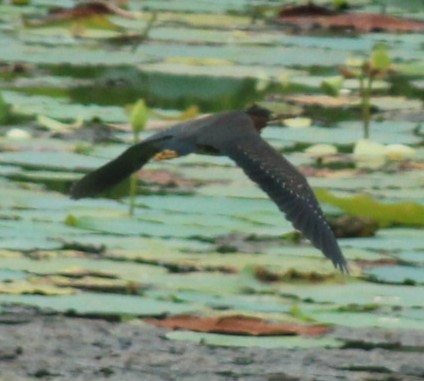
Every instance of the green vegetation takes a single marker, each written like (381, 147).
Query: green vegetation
(366, 71)
(138, 120)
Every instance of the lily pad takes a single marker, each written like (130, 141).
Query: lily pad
(247, 303)
(397, 274)
(238, 325)
(49, 160)
(390, 321)
(406, 213)
(100, 304)
(62, 264)
(262, 342)
(359, 293)
(8, 275)
(19, 287)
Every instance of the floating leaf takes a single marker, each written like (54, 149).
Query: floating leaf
(96, 284)
(199, 61)
(100, 304)
(370, 315)
(323, 100)
(28, 287)
(360, 22)
(238, 325)
(359, 292)
(404, 213)
(56, 126)
(8, 275)
(262, 342)
(397, 274)
(332, 85)
(91, 14)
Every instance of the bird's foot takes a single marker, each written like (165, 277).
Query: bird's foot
(166, 155)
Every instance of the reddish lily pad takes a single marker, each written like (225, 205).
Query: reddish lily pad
(359, 22)
(238, 325)
(90, 10)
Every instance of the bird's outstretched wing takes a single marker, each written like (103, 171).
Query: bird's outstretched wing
(117, 170)
(288, 188)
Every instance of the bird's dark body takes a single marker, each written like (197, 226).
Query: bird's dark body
(204, 135)
(235, 134)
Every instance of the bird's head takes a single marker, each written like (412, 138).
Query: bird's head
(261, 116)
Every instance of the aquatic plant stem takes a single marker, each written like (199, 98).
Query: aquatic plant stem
(365, 86)
(133, 179)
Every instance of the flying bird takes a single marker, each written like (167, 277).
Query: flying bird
(235, 134)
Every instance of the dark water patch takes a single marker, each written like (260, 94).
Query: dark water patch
(120, 86)
(47, 91)
(402, 87)
(390, 346)
(330, 116)
(292, 88)
(50, 180)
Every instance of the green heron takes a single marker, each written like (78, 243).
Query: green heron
(237, 135)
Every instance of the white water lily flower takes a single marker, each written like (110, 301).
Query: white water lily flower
(399, 152)
(18, 133)
(318, 150)
(297, 122)
(369, 154)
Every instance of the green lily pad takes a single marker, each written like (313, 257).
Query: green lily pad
(49, 160)
(62, 263)
(100, 304)
(210, 283)
(7, 275)
(250, 303)
(360, 293)
(248, 341)
(406, 213)
(277, 262)
(19, 287)
(397, 274)
(392, 241)
(411, 256)
(389, 321)
(60, 109)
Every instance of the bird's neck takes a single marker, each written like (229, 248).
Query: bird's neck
(260, 122)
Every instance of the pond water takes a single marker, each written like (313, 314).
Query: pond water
(201, 229)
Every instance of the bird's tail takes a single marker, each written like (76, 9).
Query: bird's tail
(115, 171)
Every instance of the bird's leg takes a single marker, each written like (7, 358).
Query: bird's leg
(166, 155)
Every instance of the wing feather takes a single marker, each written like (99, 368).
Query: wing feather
(288, 188)
(116, 170)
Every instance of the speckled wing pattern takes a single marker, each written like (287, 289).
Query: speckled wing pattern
(288, 188)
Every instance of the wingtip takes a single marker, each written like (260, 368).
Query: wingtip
(73, 197)
(77, 192)
(72, 194)
(343, 266)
